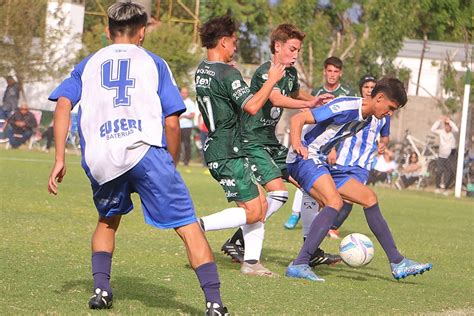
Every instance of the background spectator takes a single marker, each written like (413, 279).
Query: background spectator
(10, 97)
(410, 173)
(186, 123)
(383, 168)
(444, 127)
(21, 125)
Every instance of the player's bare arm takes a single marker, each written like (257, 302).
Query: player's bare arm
(383, 143)
(61, 128)
(173, 136)
(276, 72)
(296, 126)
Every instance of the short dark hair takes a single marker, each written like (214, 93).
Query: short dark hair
(126, 18)
(333, 60)
(364, 79)
(393, 89)
(215, 29)
(283, 33)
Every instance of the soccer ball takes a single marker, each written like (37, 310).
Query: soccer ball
(356, 250)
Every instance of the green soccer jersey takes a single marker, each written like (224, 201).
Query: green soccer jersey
(260, 127)
(340, 91)
(221, 95)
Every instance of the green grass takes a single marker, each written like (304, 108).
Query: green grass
(45, 254)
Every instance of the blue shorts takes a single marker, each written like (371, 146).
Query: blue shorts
(165, 198)
(341, 174)
(306, 172)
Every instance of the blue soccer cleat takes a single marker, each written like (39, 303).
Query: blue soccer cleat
(302, 271)
(408, 267)
(292, 221)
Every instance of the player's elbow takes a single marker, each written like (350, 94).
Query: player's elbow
(250, 108)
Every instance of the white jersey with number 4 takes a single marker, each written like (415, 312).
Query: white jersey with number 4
(125, 93)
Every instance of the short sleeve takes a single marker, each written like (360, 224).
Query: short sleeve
(171, 100)
(236, 88)
(385, 131)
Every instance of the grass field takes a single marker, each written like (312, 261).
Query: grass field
(45, 254)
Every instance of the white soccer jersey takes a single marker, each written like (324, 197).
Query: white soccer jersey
(125, 92)
(336, 120)
(359, 149)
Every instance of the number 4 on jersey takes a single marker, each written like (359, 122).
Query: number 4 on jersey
(118, 80)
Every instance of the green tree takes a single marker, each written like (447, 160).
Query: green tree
(26, 48)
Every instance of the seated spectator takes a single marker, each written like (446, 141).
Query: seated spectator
(20, 126)
(410, 172)
(48, 135)
(383, 168)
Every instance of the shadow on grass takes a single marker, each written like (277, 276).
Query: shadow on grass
(138, 289)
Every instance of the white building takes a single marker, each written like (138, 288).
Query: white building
(434, 57)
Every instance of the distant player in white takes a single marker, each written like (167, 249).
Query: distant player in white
(129, 129)
(307, 164)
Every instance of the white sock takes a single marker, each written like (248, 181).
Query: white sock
(309, 211)
(275, 200)
(297, 200)
(253, 237)
(229, 218)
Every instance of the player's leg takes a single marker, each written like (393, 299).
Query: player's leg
(340, 219)
(359, 193)
(236, 179)
(166, 203)
(112, 200)
(295, 215)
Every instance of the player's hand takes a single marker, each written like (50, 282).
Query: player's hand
(56, 176)
(332, 157)
(381, 148)
(276, 72)
(302, 151)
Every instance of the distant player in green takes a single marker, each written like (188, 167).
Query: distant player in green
(266, 155)
(222, 96)
(333, 71)
(332, 79)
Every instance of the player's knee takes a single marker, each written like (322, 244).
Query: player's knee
(335, 202)
(253, 215)
(370, 199)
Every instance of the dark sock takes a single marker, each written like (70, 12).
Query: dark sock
(342, 215)
(209, 281)
(101, 266)
(238, 236)
(379, 227)
(318, 230)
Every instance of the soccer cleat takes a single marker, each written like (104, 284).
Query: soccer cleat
(409, 267)
(256, 269)
(320, 257)
(100, 300)
(233, 250)
(333, 234)
(302, 271)
(292, 221)
(214, 309)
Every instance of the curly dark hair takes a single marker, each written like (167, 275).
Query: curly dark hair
(215, 29)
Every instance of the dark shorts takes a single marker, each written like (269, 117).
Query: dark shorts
(236, 178)
(268, 162)
(165, 198)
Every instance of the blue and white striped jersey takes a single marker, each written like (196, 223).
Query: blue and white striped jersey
(359, 149)
(125, 92)
(336, 120)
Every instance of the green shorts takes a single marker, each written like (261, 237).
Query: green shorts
(268, 162)
(236, 178)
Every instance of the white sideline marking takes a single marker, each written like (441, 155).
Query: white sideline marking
(36, 160)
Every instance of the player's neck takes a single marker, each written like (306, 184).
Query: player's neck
(367, 108)
(126, 40)
(216, 55)
(331, 87)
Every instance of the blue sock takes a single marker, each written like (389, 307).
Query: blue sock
(318, 230)
(101, 266)
(379, 227)
(342, 215)
(209, 281)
